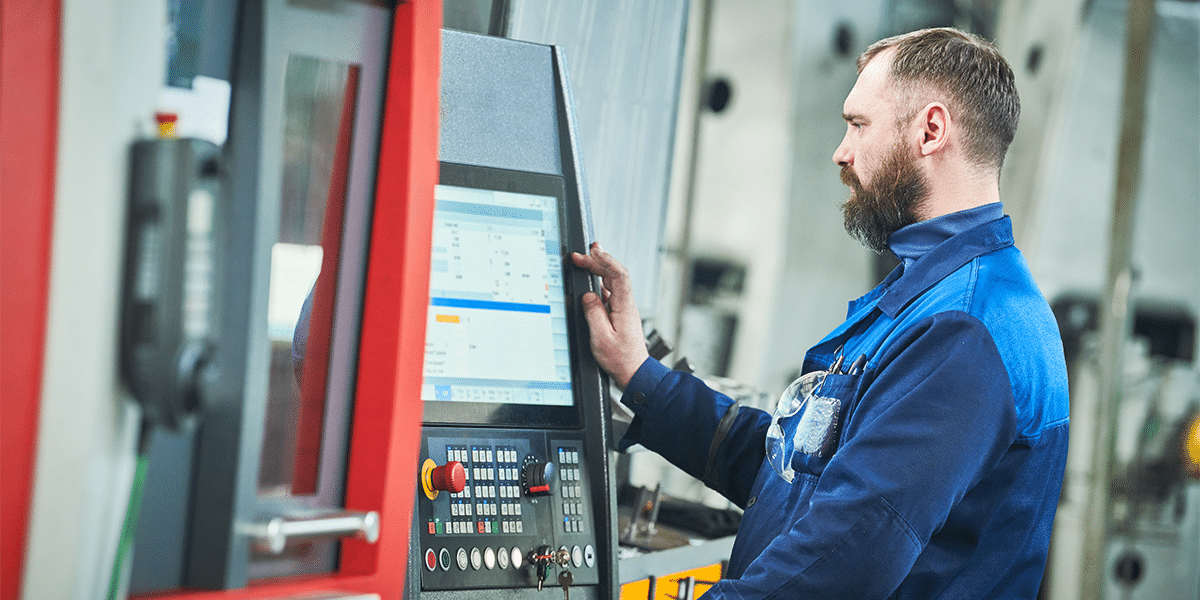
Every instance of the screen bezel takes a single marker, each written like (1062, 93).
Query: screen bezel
(570, 226)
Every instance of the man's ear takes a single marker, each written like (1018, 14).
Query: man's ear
(935, 123)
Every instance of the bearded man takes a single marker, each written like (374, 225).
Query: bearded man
(921, 454)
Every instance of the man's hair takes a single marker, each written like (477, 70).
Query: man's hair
(964, 71)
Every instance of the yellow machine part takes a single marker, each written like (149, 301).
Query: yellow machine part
(1191, 448)
(668, 585)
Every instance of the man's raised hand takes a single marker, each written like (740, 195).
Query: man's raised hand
(617, 340)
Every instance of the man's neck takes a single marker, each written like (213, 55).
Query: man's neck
(956, 189)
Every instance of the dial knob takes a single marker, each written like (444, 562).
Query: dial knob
(536, 477)
(451, 477)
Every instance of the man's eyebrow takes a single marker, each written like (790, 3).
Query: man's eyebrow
(853, 117)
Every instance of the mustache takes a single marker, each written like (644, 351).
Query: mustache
(850, 178)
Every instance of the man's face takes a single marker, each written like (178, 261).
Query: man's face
(889, 202)
(886, 184)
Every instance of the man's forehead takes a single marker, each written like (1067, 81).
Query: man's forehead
(871, 86)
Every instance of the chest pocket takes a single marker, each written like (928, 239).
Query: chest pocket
(820, 421)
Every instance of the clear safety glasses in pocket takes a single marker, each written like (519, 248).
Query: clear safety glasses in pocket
(804, 421)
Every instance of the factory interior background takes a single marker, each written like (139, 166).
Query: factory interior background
(705, 129)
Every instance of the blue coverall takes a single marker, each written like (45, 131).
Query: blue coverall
(950, 445)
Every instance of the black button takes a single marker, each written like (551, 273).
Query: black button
(751, 501)
(639, 398)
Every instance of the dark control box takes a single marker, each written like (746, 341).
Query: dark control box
(525, 492)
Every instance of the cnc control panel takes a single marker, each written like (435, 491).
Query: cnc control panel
(524, 506)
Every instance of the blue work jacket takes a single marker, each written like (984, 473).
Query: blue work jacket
(949, 446)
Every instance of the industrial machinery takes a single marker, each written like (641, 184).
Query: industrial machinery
(515, 496)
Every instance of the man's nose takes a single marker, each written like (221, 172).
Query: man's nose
(842, 155)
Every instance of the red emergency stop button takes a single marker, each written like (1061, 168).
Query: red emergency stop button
(451, 477)
(430, 559)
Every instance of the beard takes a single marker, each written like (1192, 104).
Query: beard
(871, 214)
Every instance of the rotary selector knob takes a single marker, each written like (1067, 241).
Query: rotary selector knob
(537, 476)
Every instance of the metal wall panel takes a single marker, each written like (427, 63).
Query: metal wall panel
(625, 59)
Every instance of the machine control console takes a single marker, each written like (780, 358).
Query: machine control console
(524, 509)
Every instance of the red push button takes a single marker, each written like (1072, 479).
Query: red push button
(451, 477)
(430, 559)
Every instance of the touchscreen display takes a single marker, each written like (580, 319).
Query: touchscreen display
(496, 329)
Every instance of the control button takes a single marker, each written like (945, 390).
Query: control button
(430, 559)
(516, 557)
(444, 559)
(502, 558)
(451, 477)
(476, 559)
(462, 559)
(577, 556)
(589, 555)
(489, 558)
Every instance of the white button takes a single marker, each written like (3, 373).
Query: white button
(589, 555)
(462, 559)
(502, 558)
(489, 558)
(504, 527)
(577, 556)
(516, 557)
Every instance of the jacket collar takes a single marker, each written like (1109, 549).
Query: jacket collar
(942, 260)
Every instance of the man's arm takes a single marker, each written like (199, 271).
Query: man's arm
(684, 427)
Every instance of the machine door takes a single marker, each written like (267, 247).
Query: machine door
(254, 488)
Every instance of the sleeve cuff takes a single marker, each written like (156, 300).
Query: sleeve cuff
(643, 384)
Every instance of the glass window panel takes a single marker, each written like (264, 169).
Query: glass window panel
(318, 117)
